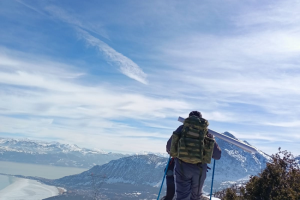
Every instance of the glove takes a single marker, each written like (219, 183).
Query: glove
(210, 135)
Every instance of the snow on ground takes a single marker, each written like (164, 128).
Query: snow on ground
(213, 198)
(26, 189)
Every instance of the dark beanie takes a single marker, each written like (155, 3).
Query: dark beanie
(195, 113)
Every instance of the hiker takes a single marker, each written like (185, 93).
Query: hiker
(191, 162)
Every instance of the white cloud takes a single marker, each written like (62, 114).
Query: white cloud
(277, 13)
(246, 79)
(220, 117)
(261, 136)
(67, 99)
(102, 134)
(40, 104)
(30, 7)
(74, 19)
(285, 124)
(127, 66)
(241, 70)
(36, 64)
(255, 69)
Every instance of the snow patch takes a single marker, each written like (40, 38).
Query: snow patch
(26, 189)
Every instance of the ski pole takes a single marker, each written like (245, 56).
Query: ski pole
(162, 183)
(212, 181)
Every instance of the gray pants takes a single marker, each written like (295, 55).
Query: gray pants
(187, 183)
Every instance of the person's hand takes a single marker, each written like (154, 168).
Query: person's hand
(210, 135)
(168, 151)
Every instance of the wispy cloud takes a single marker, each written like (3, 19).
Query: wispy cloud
(245, 79)
(285, 124)
(258, 70)
(35, 102)
(13, 61)
(126, 65)
(74, 20)
(30, 7)
(236, 63)
(271, 15)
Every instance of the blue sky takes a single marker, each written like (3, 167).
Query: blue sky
(115, 75)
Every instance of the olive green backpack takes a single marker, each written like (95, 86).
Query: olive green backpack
(192, 145)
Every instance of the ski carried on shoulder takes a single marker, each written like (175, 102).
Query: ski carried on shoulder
(233, 141)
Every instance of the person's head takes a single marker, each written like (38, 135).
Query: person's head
(195, 113)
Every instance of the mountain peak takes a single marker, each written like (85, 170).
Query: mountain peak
(229, 135)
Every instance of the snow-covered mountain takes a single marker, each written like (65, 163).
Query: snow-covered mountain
(52, 153)
(127, 178)
(136, 170)
(298, 159)
(235, 165)
(41, 147)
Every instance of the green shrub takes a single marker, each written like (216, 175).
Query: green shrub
(230, 195)
(280, 180)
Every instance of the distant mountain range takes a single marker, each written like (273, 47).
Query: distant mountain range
(143, 173)
(52, 153)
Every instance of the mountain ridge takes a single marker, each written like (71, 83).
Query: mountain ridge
(57, 154)
(53, 153)
(143, 172)
(235, 165)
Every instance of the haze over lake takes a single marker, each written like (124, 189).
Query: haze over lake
(45, 171)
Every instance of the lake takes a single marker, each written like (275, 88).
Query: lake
(45, 171)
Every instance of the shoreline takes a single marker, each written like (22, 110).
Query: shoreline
(6, 180)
